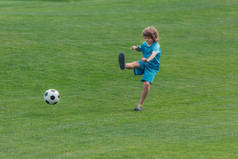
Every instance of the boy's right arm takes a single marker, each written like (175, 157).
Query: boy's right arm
(135, 48)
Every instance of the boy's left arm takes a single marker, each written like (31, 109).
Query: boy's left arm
(150, 58)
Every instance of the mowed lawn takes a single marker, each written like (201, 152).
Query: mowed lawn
(72, 45)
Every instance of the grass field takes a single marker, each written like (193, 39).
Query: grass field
(72, 46)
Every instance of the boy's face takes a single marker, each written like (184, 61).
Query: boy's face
(149, 40)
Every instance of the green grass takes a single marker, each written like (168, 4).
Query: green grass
(72, 46)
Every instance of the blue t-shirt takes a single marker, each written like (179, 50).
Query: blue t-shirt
(147, 51)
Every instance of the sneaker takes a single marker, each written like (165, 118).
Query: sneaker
(122, 61)
(138, 108)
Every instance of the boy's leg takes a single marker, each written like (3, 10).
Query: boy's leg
(145, 91)
(148, 78)
(132, 65)
(124, 65)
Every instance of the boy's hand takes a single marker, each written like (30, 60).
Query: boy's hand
(133, 47)
(144, 60)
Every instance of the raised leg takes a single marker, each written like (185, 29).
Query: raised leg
(132, 65)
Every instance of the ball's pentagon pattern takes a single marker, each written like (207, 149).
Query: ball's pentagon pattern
(51, 96)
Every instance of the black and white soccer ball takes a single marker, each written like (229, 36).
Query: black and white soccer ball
(51, 96)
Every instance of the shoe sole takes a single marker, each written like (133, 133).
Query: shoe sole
(122, 61)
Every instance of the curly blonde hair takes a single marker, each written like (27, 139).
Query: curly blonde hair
(151, 32)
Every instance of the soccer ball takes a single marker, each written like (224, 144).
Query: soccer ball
(51, 96)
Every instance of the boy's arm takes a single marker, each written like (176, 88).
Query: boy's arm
(152, 56)
(135, 48)
(138, 49)
(149, 58)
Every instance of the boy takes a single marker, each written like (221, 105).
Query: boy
(149, 65)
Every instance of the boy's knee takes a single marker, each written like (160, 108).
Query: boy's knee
(147, 84)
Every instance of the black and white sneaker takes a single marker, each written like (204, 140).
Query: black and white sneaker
(122, 61)
(138, 108)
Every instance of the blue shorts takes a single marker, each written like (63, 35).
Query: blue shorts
(146, 70)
